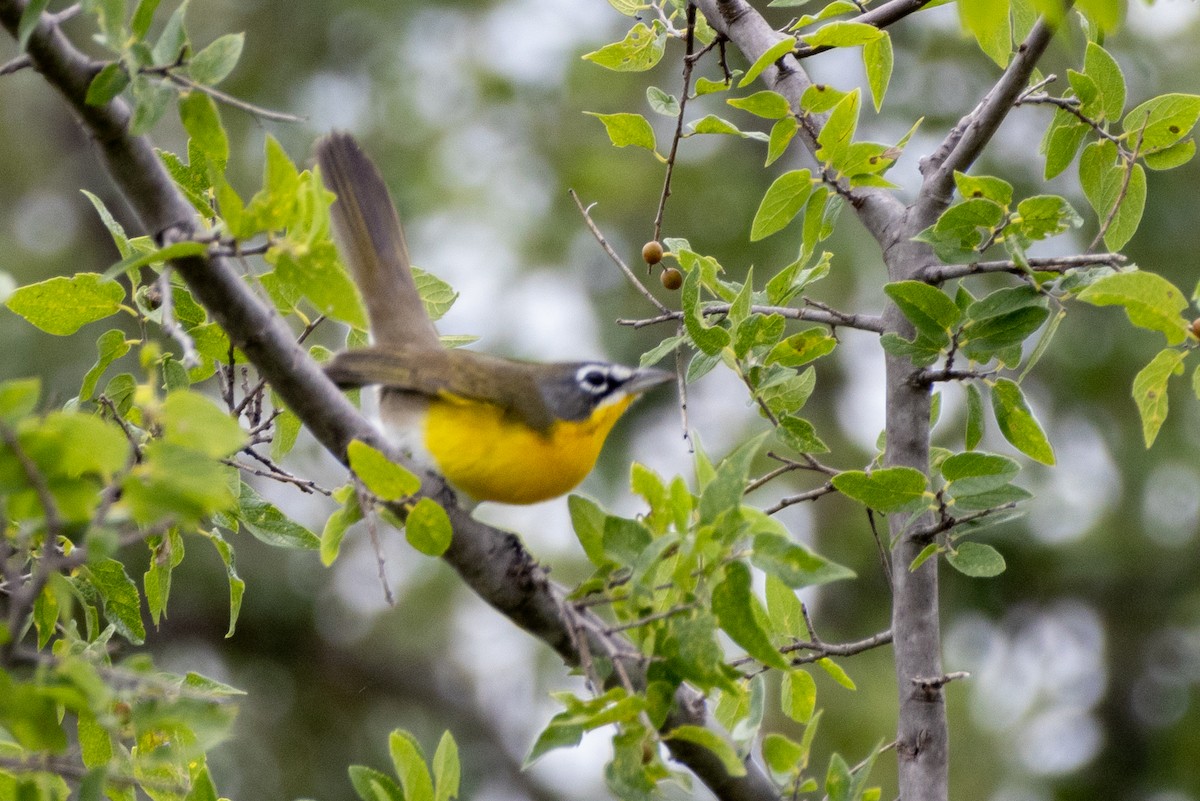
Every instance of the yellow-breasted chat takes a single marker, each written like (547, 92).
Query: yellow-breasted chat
(497, 429)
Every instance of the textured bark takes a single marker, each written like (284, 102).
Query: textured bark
(922, 734)
(492, 562)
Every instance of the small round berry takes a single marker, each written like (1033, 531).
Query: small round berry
(671, 278)
(1196, 328)
(652, 252)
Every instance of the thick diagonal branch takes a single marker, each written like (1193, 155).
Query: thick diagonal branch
(494, 563)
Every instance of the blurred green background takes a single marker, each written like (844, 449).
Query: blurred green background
(1085, 654)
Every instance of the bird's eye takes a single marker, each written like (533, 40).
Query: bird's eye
(592, 379)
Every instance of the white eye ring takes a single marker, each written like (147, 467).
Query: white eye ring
(593, 378)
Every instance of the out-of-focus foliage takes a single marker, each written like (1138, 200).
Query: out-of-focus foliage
(1084, 649)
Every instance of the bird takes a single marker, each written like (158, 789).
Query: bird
(497, 429)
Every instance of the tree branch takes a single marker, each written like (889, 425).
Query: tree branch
(492, 562)
(973, 132)
(939, 273)
(829, 317)
(880, 16)
(878, 210)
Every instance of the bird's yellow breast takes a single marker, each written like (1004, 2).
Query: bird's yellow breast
(491, 456)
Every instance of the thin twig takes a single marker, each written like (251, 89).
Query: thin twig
(880, 17)
(648, 619)
(1130, 165)
(1056, 264)
(681, 387)
(1071, 105)
(968, 138)
(222, 97)
(688, 63)
(803, 497)
(938, 682)
(166, 309)
(862, 322)
(366, 502)
(612, 254)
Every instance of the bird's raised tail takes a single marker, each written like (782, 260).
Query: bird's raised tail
(371, 242)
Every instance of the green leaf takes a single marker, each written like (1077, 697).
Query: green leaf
(933, 314)
(1162, 121)
(976, 559)
(782, 755)
(142, 258)
(690, 649)
(446, 769)
(111, 346)
(587, 518)
(31, 717)
(1016, 422)
(212, 64)
(733, 604)
(838, 131)
(877, 60)
(387, 480)
(427, 528)
(987, 20)
(712, 124)
(640, 50)
(1168, 158)
(115, 230)
(975, 472)
(802, 348)
(1063, 138)
(1045, 215)
(1150, 390)
(625, 129)
(782, 133)
(237, 587)
(777, 555)
(835, 672)
(767, 104)
(18, 398)
(268, 524)
(62, 306)
(725, 489)
(821, 97)
(709, 339)
(372, 785)
(996, 190)
(200, 119)
(799, 695)
(800, 435)
(193, 421)
(109, 82)
(143, 16)
(784, 198)
(409, 764)
(714, 742)
(961, 229)
(1103, 69)
(118, 593)
(436, 295)
(349, 513)
(173, 39)
(1151, 301)
(662, 102)
(768, 57)
(707, 86)
(314, 271)
(1104, 14)
(30, 17)
(889, 489)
